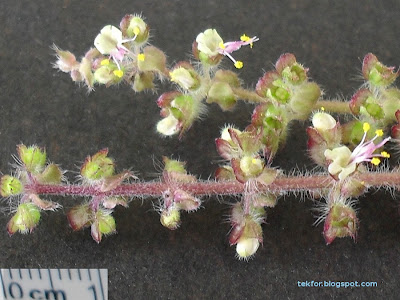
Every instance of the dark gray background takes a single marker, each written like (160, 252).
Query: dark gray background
(40, 105)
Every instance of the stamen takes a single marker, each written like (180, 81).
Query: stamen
(119, 73)
(105, 62)
(379, 132)
(366, 127)
(375, 161)
(141, 56)
(238, 64)
(136, 30)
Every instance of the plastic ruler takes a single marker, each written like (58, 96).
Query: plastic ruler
(54, 284)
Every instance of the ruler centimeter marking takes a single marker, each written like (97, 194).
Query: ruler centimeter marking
(54, 284)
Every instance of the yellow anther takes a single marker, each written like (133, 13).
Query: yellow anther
(366, 127)
(118, 73)
(322, 108)
(105, 62)
(375, 161)
(254, 161)
(379, 132)
(171, 74)
(362, 182)
(221, 45)
(238, 64)
(244, 38)
(141, 56)
(136, 30)
(385, 154)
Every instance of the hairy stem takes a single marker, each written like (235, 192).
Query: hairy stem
(333, 106)
(155, 189)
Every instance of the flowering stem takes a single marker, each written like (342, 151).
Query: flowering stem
(155, 189)
(248, 95)
(333, 106)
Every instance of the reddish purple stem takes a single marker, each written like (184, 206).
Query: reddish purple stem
(155, 189)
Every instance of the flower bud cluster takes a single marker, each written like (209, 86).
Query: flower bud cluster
(120, 54)
(340, 218)
(287, 86)
(98, 171)
(174, 198)
(248, 167)
(241, 149)
(377, 101)
(31, 169)
(181, 108)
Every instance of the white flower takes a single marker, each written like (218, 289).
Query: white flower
(168, 126)
(108, 40)
(246, 247)
(209, 42)
(344, 162)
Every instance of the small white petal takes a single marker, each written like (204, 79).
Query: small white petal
(108, 39)
(168, 126)
(247, 247)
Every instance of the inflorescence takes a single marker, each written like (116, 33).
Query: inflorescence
(347, 154)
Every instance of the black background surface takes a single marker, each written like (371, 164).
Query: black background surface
(146, 261)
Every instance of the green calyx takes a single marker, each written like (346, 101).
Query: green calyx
(279, 91)
(10, 186)
(171, 165)
(98, 166)
(25, 219)
(106, 222)
(32, 157)
(295, 73)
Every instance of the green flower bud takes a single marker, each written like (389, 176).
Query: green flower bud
(32, 157)
(304, 99)
(143, 81)
(290, 70)
(51, 175)
(279, 91)
(172, 165)
(371, 108)
(391, 104)
(376, 73)
(171, 218)
(25, 219)
(10, 186)
(222, 94)
(341, 221)
(106, 221)
(104, 224)
(98, 166)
